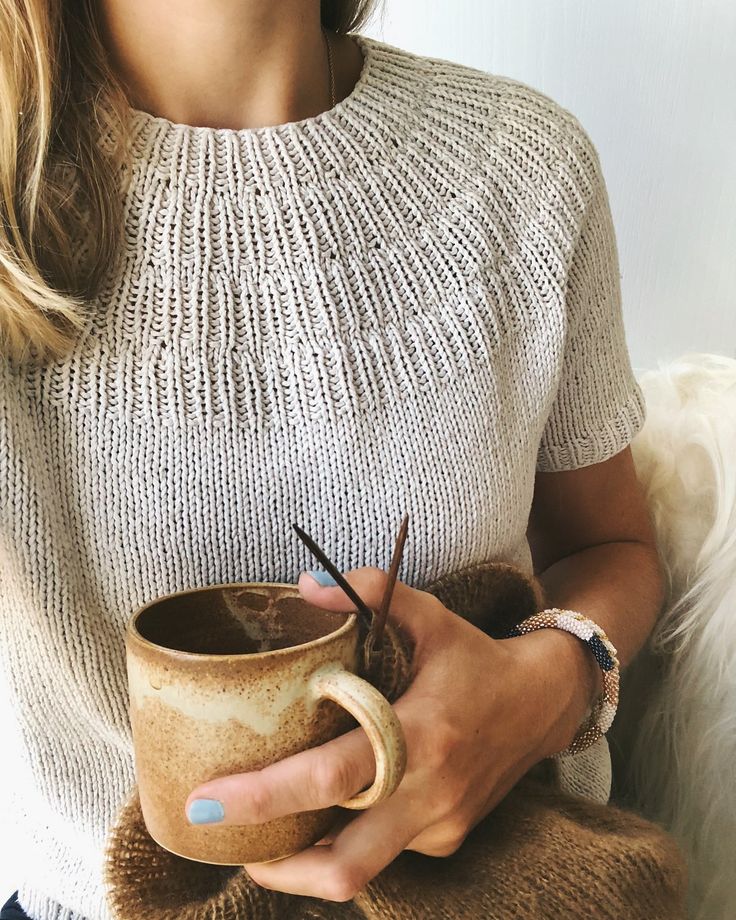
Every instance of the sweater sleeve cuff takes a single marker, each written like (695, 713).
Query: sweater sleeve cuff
(616, 433)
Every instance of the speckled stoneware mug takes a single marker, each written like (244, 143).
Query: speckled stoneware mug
(230, 678)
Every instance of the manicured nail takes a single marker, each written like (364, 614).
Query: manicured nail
(205, 811)
(323, 578)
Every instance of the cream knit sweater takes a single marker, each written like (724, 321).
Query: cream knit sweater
(410, 303)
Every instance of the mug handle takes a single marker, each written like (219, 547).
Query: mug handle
(379, 721)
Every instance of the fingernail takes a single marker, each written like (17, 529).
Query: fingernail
(205, 811)
(323, 578)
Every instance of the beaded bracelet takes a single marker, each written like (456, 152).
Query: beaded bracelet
(604, 709)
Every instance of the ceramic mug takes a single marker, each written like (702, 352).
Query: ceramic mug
(231, 678)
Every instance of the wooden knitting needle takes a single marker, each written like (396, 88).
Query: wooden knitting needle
(364, 609)
(389, 589)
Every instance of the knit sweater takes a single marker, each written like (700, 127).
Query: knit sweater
(408, 303)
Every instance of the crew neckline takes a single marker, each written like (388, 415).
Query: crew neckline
(337, 112)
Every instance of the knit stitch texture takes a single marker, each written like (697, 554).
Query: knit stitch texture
(408, 303)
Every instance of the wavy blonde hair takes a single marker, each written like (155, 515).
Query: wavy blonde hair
(63, 143)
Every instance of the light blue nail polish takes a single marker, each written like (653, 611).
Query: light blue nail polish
(324, 578)
(205, 811)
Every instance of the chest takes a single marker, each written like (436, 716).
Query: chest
(213, 401)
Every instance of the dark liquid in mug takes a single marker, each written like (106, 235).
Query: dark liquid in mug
(235, 621)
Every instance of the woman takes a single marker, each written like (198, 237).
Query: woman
(367, 282)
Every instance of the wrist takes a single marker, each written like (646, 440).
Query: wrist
(568, 681)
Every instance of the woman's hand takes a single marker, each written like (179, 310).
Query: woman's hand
(478, 714)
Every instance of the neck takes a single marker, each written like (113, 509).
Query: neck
(224, 63)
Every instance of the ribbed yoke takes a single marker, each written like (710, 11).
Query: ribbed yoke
(324, 266)
(409, 303)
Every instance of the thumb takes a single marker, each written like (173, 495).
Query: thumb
(418, 612)
(369, 582)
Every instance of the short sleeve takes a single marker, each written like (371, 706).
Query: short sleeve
(598, 407)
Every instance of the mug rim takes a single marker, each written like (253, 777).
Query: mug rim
(133, 634)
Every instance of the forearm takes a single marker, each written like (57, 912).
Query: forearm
(620, 586)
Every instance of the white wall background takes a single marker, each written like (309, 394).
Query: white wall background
(654, 84)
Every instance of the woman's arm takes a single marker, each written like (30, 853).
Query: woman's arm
(594, 551)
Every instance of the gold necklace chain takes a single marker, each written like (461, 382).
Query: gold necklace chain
(329, 66)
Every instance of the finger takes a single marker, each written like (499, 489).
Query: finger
(337, 871)
(409, 607)
(316, 778)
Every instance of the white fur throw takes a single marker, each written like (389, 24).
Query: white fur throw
(674, 741)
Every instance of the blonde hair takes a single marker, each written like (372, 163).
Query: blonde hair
(63, 144)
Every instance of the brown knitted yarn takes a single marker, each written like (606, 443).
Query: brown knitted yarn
(540, 854)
